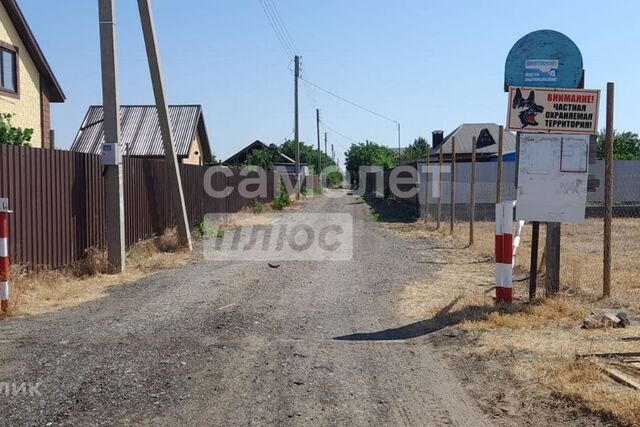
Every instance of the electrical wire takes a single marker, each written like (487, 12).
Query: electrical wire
(277, 30)
(282, 25)
(330, 129)
(350, 102)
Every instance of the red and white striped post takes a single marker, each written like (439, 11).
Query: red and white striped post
(504, 252)
(4, 254)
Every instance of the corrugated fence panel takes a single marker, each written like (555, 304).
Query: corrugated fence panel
(59, 208)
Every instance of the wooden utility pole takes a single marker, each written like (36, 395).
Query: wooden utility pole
(452, 202)
(472, 190)
(296, 129)
(153, 56)
(440, 175)
(500, 154)
(114, 189)
(608, 193)
(318, 133)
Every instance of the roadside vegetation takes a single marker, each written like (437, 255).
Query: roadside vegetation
(541, 345)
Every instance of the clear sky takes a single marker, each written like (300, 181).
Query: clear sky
(428, 64)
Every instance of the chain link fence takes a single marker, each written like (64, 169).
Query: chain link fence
(582, 245)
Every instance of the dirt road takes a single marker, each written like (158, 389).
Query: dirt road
(240, 343)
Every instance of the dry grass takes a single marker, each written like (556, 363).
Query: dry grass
(51, 290)
(540, 340)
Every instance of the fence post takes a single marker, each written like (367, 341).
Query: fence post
(4, 255)
(504, 252)
(608, 194)
(440, 187)
(426, 188)
(472, 196)
(452, 202)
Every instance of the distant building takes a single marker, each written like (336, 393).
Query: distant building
(285, 164)
(27, 84)
(487, 135)
(140, 134)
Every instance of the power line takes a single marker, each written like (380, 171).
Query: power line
(277, 30)
(324, 125)
(279, 19)
(350, 102)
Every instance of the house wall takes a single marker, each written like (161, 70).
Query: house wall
(27, 107)
(195, 154)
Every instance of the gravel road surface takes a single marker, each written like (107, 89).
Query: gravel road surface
(240, 343)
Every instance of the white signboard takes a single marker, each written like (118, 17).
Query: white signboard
(552, 177)
(541, 70)
(553, 110)
(4, 205)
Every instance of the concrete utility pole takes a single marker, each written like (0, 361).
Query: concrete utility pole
(325, 145)
(297, 130)
(153, 55)
(333, 154)
(399, 147)
(114, 190)
(318, 132)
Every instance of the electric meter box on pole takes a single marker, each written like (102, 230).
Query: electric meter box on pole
(111, 154)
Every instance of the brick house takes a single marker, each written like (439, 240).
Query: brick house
(27, 84)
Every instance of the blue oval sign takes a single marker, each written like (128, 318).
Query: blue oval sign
(544, 58)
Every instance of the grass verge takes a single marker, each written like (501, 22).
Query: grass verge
(538, 342)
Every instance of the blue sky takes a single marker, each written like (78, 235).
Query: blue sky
(429, 65)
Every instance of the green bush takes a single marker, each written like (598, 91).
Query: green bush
(283, 199)
(258, 207)
(206, 230)
(12, 135)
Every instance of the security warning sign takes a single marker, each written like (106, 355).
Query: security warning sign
(553, 110)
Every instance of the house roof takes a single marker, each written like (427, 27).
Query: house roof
(20, 23)
(241, 155)
(466, 131)
(140, 133)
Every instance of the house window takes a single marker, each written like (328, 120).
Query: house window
(8, 70)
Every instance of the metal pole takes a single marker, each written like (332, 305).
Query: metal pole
(500, 154)
(4, 257)
(608, 193)
(114, 188)
(440, 173)
(472, 190)
(153, 56)
(297, 130)
(552, 260)
(426, 187)
(318, 133)
(452, 202)
(533, 267)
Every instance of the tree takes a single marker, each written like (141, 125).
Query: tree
(13, 135)
(369, 154)
(308, 155)
(263, 157)
(415, 151)
(626, 146)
